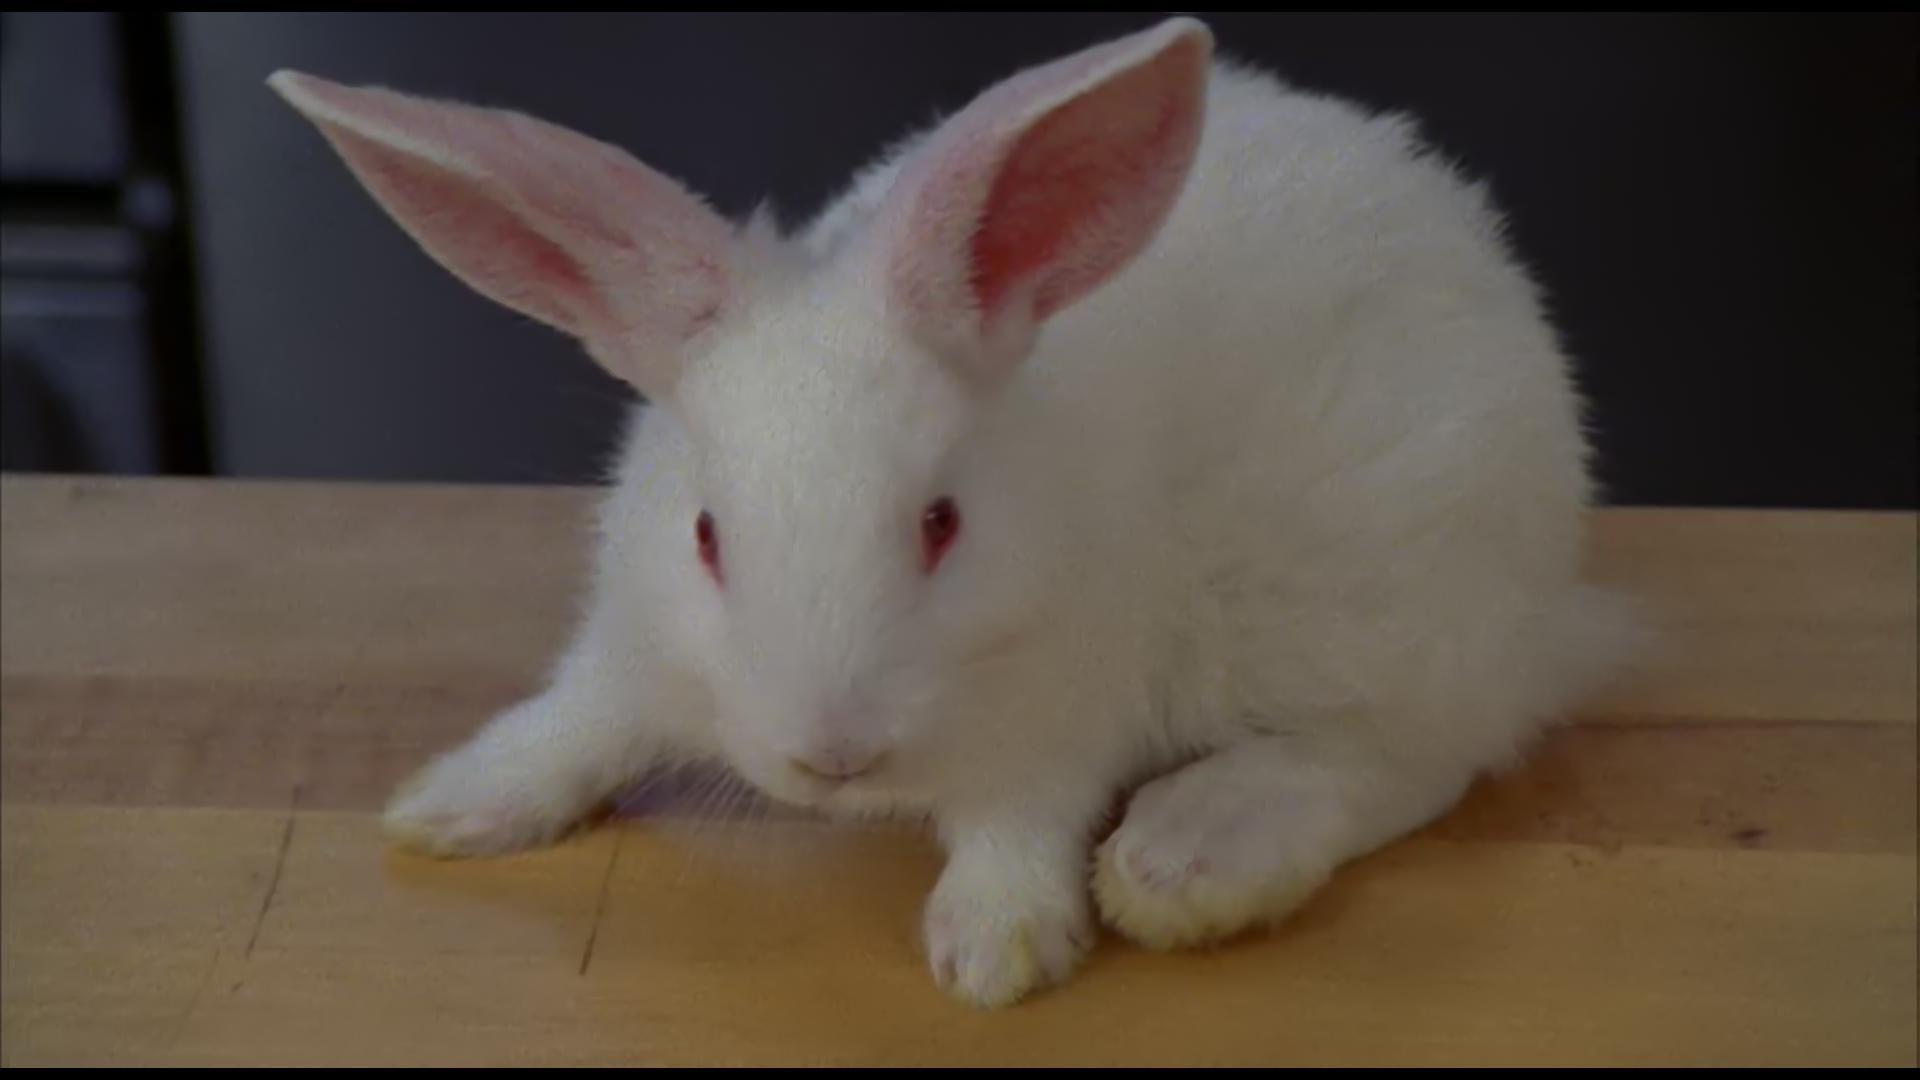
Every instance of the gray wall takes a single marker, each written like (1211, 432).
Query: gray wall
(1721, 207)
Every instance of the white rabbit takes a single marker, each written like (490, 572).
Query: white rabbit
(1145, 422)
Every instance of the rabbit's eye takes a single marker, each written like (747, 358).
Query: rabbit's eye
(706, 539)
(939, 527)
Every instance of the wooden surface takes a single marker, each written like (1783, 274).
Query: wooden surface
(205, 691)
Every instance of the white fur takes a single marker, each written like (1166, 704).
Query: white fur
(1288, 514)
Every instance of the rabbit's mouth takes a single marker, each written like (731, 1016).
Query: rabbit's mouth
(875, 803)
(879, 792)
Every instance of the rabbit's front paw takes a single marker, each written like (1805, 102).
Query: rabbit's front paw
(993, 940)
(1197, 860)
(474, 802)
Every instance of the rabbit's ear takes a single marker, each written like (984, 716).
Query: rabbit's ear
(1041, 190)
(550, 223)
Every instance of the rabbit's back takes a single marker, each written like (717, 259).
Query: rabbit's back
(1333, 430)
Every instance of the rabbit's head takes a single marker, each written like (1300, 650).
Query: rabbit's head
(860, 562)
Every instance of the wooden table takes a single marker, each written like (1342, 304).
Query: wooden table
(209, 688)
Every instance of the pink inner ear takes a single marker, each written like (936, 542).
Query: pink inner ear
(556, 225)
(495, 252)
(1086, 187)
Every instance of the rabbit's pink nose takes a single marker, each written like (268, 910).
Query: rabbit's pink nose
(837, 762)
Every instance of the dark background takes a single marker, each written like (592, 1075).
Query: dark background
(1721, 206)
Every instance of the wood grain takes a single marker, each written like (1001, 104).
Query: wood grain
(205, 688)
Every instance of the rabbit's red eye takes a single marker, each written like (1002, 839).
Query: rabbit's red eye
(707, 539)
(939, 527)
